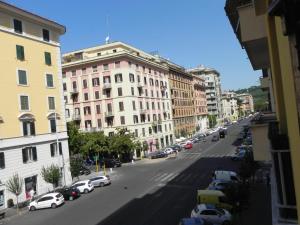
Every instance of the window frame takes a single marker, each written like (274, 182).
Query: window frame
(48, 58)
(31, 157)
(20, 103)
(20, 56)
(18, 78)
(14, 26)
(43, 35)
(46, 77)
(54, 104)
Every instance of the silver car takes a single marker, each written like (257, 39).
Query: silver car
(100, 181)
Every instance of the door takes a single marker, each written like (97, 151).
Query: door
(41, 203)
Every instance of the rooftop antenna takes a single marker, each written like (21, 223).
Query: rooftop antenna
(107, 27)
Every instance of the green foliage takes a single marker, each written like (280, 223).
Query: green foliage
(51, 175)
(75, 138)
(212, 120)
(122, 142)
(183, 133)
(260, 98)
(15, 184)
(75, 166)
(94, 143)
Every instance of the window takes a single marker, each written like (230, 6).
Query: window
(156, 83)
(48, 58)
(97, 95)
(49, 80)
(131, 78)
(67, 113)
(132, 90)
(94, 68)
(141, 105)
(122, 119)
(105, 66)
(118, 78)
(146, 92)
(83, 70)
(20, 52)
(153, 106)
(117, 64)
(133, 105)
(120, 93)
(53, 149)
(95, 82)
(99, 123)
(46, 35)
(24, 100)
(143, 132)
(114, 50)
(74, 85)
(84, 82)
(29, 154)
(87, 110)
(2, 160)
(51, 103)
(151, 81)
(66, 99)
(86, 96)
(152, 95)
(129, 64)
(157, 94)
(28, 128)
(158, 105)
(147, 105)
(98, 109)
(121, 106)
(136, 133)
(73, 72)
(22, 76)
(135, 119)
(52, 125)
(18, 26)
(150, 130)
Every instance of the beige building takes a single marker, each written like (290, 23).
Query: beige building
(230, 106)
(32, 119)
(247, 105)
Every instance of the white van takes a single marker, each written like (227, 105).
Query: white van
(226, 175)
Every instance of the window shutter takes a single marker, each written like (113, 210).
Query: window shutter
(34, 154)
(48, 58)
(60, 148)
(25, 132)
(25, 155)
(20, 52)
(32, 128)
(2, 160)
(52, 150)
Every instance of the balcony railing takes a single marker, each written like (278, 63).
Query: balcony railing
(143, 111)
(76, 117)
(74, 91)
(107, 86)
(140, 85)
(109, 114)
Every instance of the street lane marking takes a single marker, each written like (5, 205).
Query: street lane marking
(160, 177)
(167, 177)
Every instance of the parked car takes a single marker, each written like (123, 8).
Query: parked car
(157, 154)
(110, 163)
(69, 193)
(188, 145)
(168, 151)
(84, 186)
(215, 197)
(84, 170)
(51, 200)
(100, 181)
(240, 155)
(215, 138)
(193, 221)
(212, 214)
(176, 147)
(226, 175)
(222, 133)
(220, 185)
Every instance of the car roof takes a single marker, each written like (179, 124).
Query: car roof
(232, 173)
(81, 181)
(50, 194)
(206, 206)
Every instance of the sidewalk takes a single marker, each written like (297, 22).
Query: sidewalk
(259, 210)
(11, 213)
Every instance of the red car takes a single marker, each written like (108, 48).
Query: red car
(188, 145)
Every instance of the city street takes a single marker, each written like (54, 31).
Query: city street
(156, 192)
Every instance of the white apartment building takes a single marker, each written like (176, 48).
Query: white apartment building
(213, 89)
(230, 106)
(116, 85)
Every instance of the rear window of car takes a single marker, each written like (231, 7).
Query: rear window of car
(89, 182)
(58, 195)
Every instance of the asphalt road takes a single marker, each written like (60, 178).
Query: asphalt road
(159, 192)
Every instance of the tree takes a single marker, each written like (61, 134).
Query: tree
(14, 185)
(75, 138)
(51, 175)
(94, 143)
(212, 120)
(75, 166)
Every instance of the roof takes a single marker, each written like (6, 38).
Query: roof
(21, 12)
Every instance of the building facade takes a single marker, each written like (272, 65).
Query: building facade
(213, 90)
(118, 86)
(247, 105)
(269, 32)
(181, 85)
(200, 104)
(32, 122)
(230, 106)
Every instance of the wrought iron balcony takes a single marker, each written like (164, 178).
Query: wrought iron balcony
(76, 117)
(107, 86)
(109, 114)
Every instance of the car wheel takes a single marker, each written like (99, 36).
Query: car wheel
(53, 205)
(71, 198)
(32, 208)
(86, 191)
(101, 184)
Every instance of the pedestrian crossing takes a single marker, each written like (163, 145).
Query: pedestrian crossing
(176, 177)
(191, 155)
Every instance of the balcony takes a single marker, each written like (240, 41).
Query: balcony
(140, 85)
(109, 114)
(106, 86)
(74, 92)
(264, 83)
(76, 117)
(143, 111)
(154, 124)
(163, 88)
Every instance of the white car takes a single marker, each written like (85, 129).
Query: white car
(168, 151)
(212, 214)
(51, 200)
(100, 181)
(84, 186)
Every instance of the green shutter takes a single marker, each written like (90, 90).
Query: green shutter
(20, 52)
(48, 58)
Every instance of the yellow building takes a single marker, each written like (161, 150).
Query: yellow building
(32, 122)
(269, 31)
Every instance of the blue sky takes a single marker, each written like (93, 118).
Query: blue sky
(189, 32)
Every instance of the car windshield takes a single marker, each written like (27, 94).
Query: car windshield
(221, 211)
(58, 195)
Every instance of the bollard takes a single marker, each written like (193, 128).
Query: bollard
(110, 169)
(132, 161)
